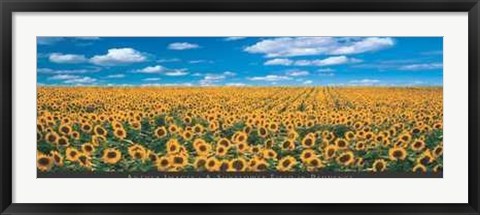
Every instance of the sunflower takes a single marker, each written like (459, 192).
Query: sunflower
(419, 168)
(64, 129)
(173, 146)
(349, 135)
(136, 125)
(120, 133)
(44, 162)
(269, 154)
(57, 158)
(418, 145)
(238, 165)
(438, 168)
(200, 163)
(173, 129)
(240, 137)
(223, 142)
(75, 135)
(397, 153)
(178, 160)
(84, 160)
(162, 163)
(288, 145)
(329, 151)
(242, 147)
(379, 165)
(51, 137)
(88, 148)
(160, 132)
(316, 163)
(262, 132)
(203, 149)
(438, 151)
(269, 143)
(99, 130)
(369, 135)
(260, 166)
(286, 164)
(360, 146)
(72, 154)
(187, 135)
(221, 150)
(341, 143)
(212, 164)
(273, 127)
(224, 166)
(308, 141)
(137, 152)
(307, 155)
(346, 158)
(152, 156)
(97, 139)
(111, 156)
(426, 158)
(292, 135)
(198, 129)
(63, 141)
(405, 137)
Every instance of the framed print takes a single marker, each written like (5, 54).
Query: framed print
(196, 107)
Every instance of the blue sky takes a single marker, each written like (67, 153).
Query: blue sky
(240, 61)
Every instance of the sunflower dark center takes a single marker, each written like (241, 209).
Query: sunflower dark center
(111, 154)
(178, 160)
(344, 158)
(261, 167)
(238, 165)
(397, 154)
(379, 166)
(52, 138)
(44, 161)
(286, 163)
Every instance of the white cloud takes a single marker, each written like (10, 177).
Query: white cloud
(200, 61)
(197, 74)
(234, 38)
(330, 61)
(325, 70)
(229, 73)
(66, 58)
(182, 46)
(74, 71)
(79, 80)
(366, 82)
(152, 69)
(423, 66)
(118, 56)
(177, 72)
(304, 46)
(168, 60)
(211, 79)
(279, 61)
(235, 84)
(270, 78)
(296, 73)
(63, 77)
(116, 76)
(152, 79)
(308, 82)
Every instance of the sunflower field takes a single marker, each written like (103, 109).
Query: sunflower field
(239, 129)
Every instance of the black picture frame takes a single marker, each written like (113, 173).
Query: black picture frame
(8, 7)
